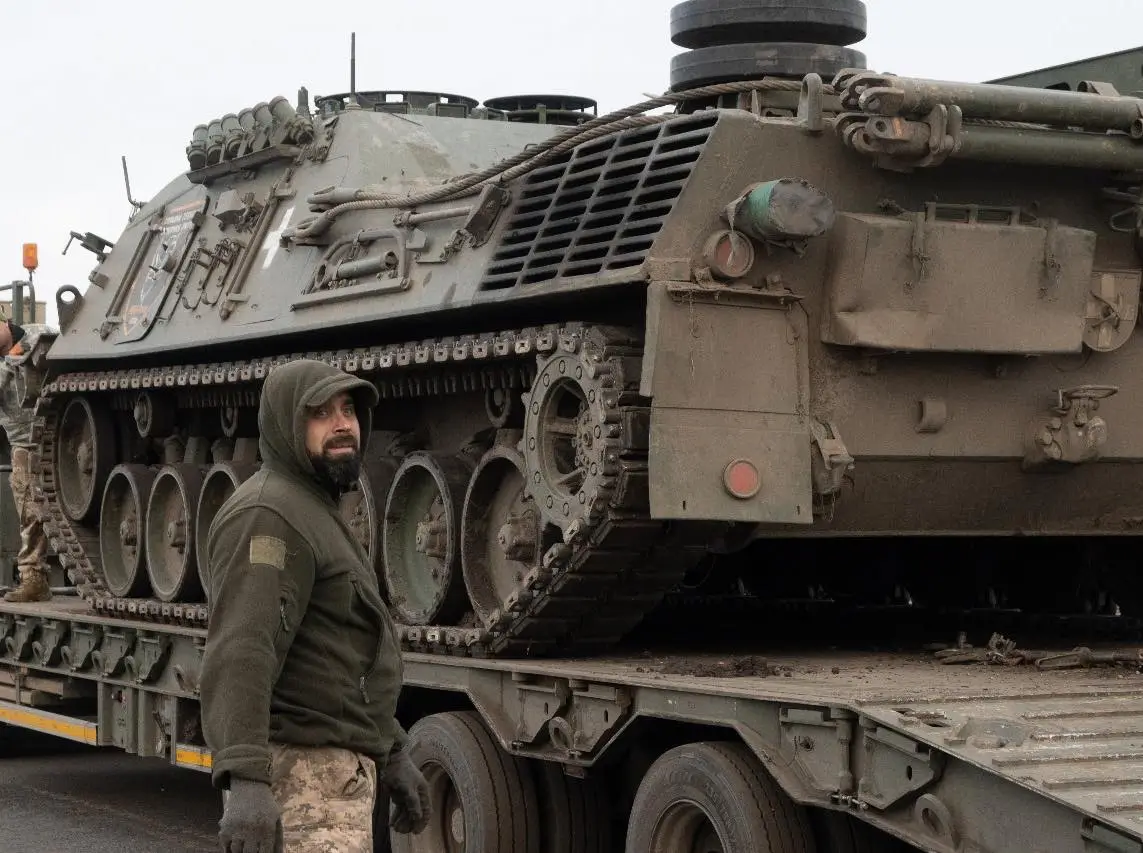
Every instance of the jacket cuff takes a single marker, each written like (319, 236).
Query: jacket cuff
(400, 740)
(242, 761)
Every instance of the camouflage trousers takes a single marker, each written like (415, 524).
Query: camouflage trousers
(33, 543)
(326, 795)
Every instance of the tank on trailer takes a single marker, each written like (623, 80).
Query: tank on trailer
(817, 332)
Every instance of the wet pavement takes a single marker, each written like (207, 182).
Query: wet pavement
(57, 797)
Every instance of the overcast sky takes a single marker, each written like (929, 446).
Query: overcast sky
(89, 82)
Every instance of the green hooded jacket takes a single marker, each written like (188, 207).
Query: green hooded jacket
(301, 648)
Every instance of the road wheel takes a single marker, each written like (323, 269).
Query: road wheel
(483, 799)
(714, 798)
(576, 815)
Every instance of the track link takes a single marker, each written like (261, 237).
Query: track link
(585, 593)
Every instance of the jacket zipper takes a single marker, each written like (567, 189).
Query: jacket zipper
(376, 652)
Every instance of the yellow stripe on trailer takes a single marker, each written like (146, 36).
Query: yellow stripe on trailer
(53, 724)
(193, 756)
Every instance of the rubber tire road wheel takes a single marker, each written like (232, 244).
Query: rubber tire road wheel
(494, 791)
(576, 813)
(724, 784)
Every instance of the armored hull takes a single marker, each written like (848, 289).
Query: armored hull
(623, 356)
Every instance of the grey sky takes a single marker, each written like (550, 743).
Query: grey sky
(90, 82)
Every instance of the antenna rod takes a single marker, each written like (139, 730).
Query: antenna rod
(353, 63)
(127, 180)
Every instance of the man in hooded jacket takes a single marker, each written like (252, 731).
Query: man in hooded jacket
(302, 667)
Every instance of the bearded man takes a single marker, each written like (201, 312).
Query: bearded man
(302, 666)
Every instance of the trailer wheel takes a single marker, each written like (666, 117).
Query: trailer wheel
(483, 799)
(714, 798)
(575, 813)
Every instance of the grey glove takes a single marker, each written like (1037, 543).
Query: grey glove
(409, 792)
(251, 821)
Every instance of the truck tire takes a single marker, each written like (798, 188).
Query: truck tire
(576, 815)
(482, 797)
(717, 798)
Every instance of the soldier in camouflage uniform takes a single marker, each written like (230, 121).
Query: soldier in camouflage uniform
(302, 666)
(16, 344)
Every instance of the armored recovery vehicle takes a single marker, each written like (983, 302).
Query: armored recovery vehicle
(816, 333)
(886, 310)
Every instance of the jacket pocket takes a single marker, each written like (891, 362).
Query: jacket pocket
(284, 632)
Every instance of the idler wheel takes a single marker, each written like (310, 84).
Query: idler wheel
(421, 568)
(85, 455)
(217, 487)
(729, 63)
(706, 23)
(171, 562)
(501, 534)
(122, 542)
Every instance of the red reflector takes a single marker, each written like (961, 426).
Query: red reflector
(742, 479)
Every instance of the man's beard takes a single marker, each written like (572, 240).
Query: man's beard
(342, 471)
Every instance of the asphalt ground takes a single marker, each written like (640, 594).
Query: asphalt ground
(58, 797)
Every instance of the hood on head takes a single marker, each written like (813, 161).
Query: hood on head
(286, 393)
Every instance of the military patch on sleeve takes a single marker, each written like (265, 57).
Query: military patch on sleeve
(268, 551)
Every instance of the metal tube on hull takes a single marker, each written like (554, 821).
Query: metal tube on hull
(1048, 148)
(887, 95)
(909, 141)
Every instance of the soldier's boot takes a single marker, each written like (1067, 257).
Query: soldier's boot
(33, 587)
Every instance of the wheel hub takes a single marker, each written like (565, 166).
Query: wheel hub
(517, 538)
(432, 535)
(456, 827)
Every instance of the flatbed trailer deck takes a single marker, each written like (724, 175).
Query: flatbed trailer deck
(945, 757)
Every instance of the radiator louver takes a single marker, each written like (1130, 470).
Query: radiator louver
(600, 206)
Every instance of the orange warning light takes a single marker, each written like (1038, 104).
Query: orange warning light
(31, 256)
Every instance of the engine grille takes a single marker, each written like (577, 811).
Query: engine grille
(600, 206)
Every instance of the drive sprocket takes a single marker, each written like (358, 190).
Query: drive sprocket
(585, 434)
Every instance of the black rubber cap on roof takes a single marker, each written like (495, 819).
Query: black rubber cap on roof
(706, 23)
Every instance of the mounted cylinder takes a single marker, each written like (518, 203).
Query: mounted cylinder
(906, 96)
(234, 135)
(784, 209)
(215, 140)
(196, 151)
